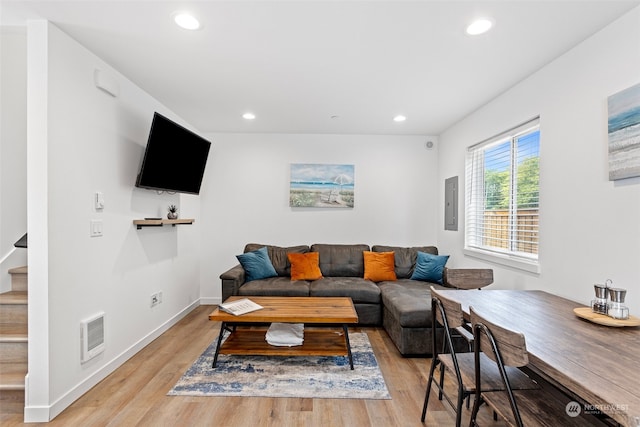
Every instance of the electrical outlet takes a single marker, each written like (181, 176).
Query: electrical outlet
(156, 298)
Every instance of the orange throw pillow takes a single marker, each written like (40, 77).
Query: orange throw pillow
(305, 266)
(379, 266)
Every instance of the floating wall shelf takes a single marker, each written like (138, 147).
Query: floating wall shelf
(139, 223)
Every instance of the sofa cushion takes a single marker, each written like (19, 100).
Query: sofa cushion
(405, 257)
(257, 264)
(304, 266)
(359, 289)
(408, 301)
(341, 260)
(379, 266)
(276, 287)
(278, 255)
(429, 267)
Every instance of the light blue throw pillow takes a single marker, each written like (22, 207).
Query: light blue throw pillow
(257, 264)
(429, 267)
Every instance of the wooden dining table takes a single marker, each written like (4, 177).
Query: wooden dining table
(598, 364)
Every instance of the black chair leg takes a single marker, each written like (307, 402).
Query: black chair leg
(441, 382)
(474, 412)
(434, 363)
(459, 408)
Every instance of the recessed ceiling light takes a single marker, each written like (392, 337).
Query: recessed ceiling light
(399, 118)
(248, 116)
(479, 26)
(186, 21)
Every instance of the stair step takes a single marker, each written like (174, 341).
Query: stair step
(11, 402)
(13, 307)
(19, 278)
(13, 344)
(19, 270)
(14, 297)
(13, 350)
(12, 388)
(12, 376)
(13, 331)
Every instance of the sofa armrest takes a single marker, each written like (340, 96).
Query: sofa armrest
(467, 278)
(232, 279)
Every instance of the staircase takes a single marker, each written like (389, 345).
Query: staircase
(13, 343)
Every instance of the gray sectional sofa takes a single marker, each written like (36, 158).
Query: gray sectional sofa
(401, 306)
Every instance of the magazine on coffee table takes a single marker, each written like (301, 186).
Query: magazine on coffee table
(239, 307)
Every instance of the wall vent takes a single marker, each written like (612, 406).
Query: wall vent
(91, 337)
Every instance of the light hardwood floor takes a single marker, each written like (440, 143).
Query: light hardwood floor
(135, 394)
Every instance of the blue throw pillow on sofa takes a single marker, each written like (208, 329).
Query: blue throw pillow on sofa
(257, 265)
(429, 267)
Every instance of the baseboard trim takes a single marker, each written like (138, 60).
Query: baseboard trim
(210, 301)
(36, 414)
(43, 414)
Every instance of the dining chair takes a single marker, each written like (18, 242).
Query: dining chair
(505, 349)
(448, 314)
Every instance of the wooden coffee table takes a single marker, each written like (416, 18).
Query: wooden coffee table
(317, 311)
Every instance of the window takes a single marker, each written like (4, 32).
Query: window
(501, 200)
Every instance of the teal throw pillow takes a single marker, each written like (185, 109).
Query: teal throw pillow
(257, 265)
(429, 267)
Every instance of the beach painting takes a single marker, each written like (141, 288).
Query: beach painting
(624, 133)
(321, 185)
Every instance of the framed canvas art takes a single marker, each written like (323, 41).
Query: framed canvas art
(624, 133)
(321, 185)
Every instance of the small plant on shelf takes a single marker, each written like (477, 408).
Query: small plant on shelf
(173, 212)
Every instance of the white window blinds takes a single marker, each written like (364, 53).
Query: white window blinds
(502, 192)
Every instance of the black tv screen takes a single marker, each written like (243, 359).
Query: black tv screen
(175, 158)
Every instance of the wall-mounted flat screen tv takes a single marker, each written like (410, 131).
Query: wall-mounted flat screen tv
(175, 158)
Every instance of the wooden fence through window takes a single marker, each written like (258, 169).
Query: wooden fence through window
(497, 231)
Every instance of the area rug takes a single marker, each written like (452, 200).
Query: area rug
(302, 377)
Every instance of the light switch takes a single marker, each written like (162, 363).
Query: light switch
(98, 200)
(96, 228)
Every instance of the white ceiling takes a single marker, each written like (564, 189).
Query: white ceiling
(295, 64)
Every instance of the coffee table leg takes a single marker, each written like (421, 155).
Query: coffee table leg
(223, 326)
(346, 337)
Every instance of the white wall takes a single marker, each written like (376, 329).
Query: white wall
(589, 226)
(13, 149)
(246, 195)
(82, 140)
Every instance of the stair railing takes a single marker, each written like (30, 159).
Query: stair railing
(21, 243)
